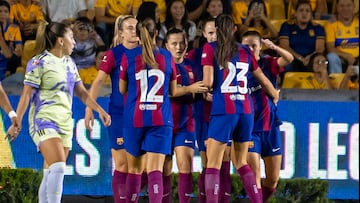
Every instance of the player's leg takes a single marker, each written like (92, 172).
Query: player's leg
(225, 178)
(272, 172)
(119, 176)
(184, 158)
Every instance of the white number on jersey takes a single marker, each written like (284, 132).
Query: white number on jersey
(226, 86)
(143, 77)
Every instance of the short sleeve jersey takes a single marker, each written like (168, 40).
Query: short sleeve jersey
(147, 103)
(345, 38)
(182, 109)
(302, 41)
(31, 13)
(12, 38)
(230, 89)
(53, 80)
(111, 66)
(115, 8)
(263, 105)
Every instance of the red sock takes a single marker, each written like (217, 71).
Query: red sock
(267, 192)
(167, 189)
(249, 183)
(225, 183)
(155, 186)
(133, 182)
(212, 183)
(184, 187)
(119, 186)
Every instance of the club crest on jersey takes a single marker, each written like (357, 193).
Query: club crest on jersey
(36, 62)
(120, 141)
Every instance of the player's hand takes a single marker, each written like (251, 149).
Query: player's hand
(105, 118)
(198, 87)
(89, 118)
(276, 97)
(12, 133)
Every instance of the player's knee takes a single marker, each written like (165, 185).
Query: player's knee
(58, 167)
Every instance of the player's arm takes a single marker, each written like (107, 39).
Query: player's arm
(266, 84)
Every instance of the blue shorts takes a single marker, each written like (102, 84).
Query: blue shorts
(184, 138)
(227, 127)
(116, 132)
(267, 143)
(201, 129)
(155, 139)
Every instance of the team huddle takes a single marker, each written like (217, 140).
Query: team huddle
(165, 101)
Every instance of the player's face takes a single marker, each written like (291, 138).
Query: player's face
(128, 32)
(68, 42)
(210, 31)
(176, 45)
(254, 44)
(215, 8)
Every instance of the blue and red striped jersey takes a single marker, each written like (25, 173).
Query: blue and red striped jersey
(182, 109)
(148, 102)
(110, 64)
(230, 89)
(202, 108)
(263, 104)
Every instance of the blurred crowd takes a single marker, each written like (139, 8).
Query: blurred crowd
(322, 35)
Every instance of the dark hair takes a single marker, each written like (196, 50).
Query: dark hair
(301, 2)
(251, 33)
(312, 60)
(147, 10)
(227, 45)
(5, 3)
(47, 35)
(146, 31)
(169, 23)
(175, 31)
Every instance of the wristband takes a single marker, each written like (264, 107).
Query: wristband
(12, 114)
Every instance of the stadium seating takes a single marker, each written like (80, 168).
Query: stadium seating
(277, 9)
(28, 52)
(335, 79)
(277, 23)
(295, 79)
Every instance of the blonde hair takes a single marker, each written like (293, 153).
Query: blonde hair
(118, 27)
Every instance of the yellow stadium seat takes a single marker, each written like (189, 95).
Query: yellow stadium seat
(277, 23)
(28, 52)
(295, 79)
(335, 79)
(321, 22)
(277, 9)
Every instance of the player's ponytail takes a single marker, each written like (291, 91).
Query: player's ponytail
(227, 45)
(146, 31)
(47, 35)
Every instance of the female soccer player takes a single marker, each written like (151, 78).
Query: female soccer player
(50, 80)
(226, 67)
(182, 112)
(148, 76)
(266, 133)
(125, 38)
(202, 108)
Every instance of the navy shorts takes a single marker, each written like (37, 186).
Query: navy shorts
(116, 133)
(267, 143)
(201, 129)
(156, 139)
(227, 127)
